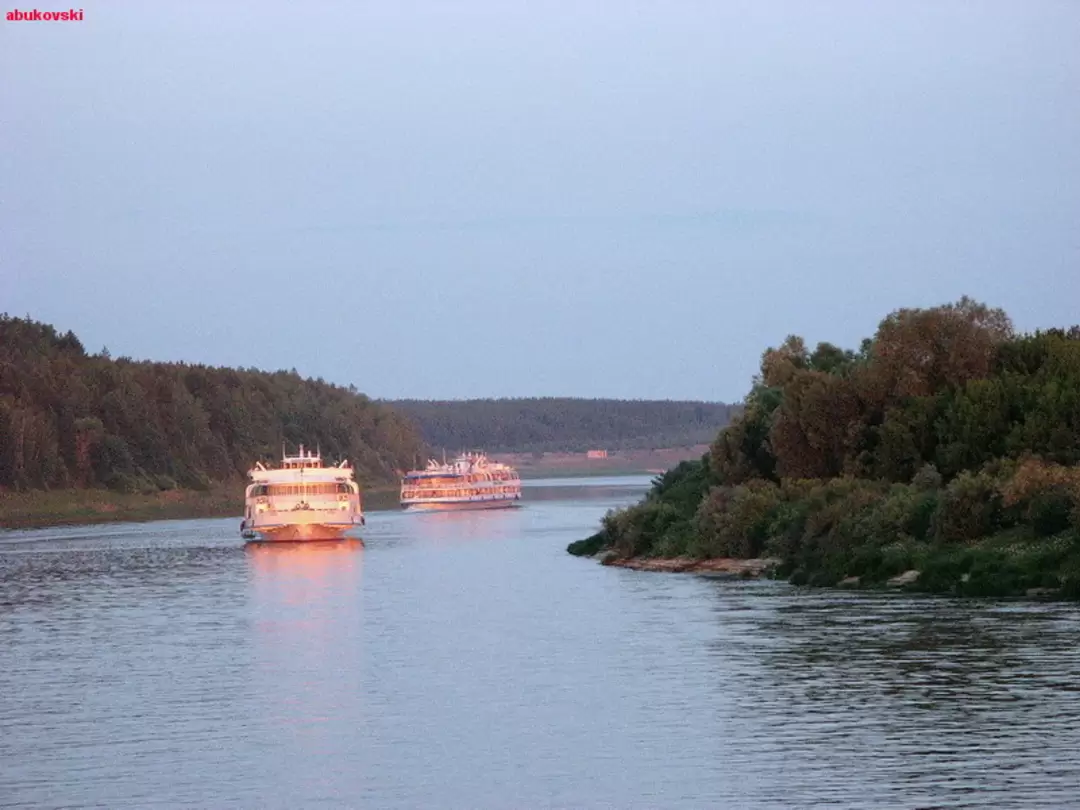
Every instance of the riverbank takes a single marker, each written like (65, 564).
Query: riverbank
(942, 456)
(40, 509)
(1008, 564)
(723, 566)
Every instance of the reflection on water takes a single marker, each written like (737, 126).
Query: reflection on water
(623, 488)
(464, 526)
(463, 659)
(948, 703)
(307, 613)
(312, 561)
(297, 584)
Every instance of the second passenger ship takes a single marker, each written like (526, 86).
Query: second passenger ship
(470, 481)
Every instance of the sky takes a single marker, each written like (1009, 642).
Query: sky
(471, 199)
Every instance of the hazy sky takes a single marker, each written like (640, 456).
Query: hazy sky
(548, 198)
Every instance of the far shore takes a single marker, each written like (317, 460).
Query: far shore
(604, 462)
(534, 475)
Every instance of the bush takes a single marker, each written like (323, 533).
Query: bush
(735, 521)
(922, 516)
(943, 572)
(590, 546)
(165, 483)
(676, 540)
(927, 479)
(124, 483)
(969, 508)
(1046, 495)
(785, 530)
(1050, 512)
(635, 531)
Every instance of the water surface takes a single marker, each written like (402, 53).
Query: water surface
(465, 660)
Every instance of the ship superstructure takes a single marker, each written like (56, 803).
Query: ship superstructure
(470, 481)
(301, 500)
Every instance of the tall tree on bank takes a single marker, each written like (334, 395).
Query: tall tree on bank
(943, 431)
(69, 419)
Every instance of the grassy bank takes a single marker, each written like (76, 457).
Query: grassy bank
(26, 510)
(1010, 563)
(22, 510)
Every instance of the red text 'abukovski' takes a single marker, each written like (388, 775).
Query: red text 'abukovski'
(49, 16)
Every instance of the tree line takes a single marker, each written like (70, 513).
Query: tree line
(946, 442)
(560, 424)
(69, 419)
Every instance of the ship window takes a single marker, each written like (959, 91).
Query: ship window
(296, 490)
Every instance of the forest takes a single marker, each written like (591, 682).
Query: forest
(558, 424)
(946, 444)
(72, 420)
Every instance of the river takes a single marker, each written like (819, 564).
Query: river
(467, 661)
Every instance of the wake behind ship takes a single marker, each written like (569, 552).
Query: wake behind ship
(470, 481)
(301, 500)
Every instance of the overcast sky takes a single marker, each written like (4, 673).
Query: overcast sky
(621, 199)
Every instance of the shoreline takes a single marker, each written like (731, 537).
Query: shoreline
(925, 580)
(42, 509)
(719, 566)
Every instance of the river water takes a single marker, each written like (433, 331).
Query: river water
(467, 661)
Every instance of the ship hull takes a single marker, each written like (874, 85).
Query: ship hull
(300, 533)
(306, 528)
(460, 506)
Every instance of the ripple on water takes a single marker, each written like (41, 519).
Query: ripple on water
(468, 661)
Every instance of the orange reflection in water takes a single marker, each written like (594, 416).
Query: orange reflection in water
(307, 608)
(309, 558)
(309, 575)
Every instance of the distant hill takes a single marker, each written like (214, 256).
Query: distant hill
(73, 420)
(560, 424)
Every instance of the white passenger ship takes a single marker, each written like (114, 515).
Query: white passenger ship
(301, 500)
(470, 481)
